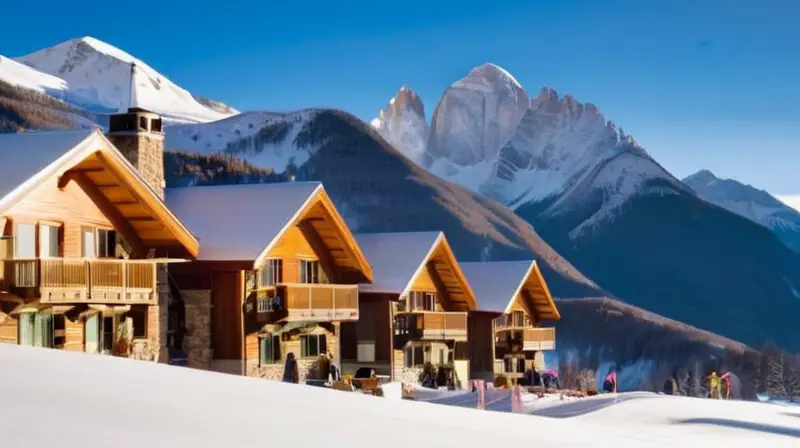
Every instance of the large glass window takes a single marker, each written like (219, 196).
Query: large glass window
(25, 241)
(48, 241)
(272, 273)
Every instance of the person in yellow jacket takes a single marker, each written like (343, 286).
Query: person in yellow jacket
(713, 382)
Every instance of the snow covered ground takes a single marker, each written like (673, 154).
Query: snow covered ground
(57, 398)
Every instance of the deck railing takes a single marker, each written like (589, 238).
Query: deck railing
(434, 325)
(303, 301)
(70, 280)
(539, 338)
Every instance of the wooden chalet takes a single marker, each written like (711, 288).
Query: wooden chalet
(517, 291)
(419, 309)
(84, 244)
(282, 267)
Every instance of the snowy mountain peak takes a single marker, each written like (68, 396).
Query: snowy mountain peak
(98, 78)
(489, 78)
(750, 202)
(402, 123)
(702, 177)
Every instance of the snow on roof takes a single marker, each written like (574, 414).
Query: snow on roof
(395, 258)
(495, 283)
(238, 222)
(24, 154)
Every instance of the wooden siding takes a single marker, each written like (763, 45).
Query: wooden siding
(374, 324)
(480, 344)
(8, 328)
(227, 335)
(69, 206)
(74, 334)
(292, 247)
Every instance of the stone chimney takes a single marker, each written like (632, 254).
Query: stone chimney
(138, 134)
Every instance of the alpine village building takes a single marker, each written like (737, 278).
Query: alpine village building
(517, 290)
(97, 256)
(419, 309)
(283, 270)
(86, 239)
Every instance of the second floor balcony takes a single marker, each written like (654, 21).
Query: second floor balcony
(430, 325)
(308, 302)
(65, 280)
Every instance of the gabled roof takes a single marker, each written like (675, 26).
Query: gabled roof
(396, 258)
(25, 154)
(29, 158)
(237, 222)
(242, 222)
(498, 283)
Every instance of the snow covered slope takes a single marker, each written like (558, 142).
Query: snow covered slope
(98, 78)
(17, 74)
(750, 202)
(175, 406)
(402, 123)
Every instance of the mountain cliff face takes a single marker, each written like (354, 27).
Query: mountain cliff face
(402, 123)
(93, 75)
(604, 203)
(750, 202)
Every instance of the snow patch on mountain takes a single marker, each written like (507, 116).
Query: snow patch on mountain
(16, 74)
(745, 200)
(98, 78)
(402, 123)
(265, 139)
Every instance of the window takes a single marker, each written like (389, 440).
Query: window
(519, 319)
(269, 350)
(415, 356)
(92, 334)
(59, 330)
(310, 272)
(25, 241)
(49, 241)
(36, 329)
(106, 243)
(312, 345)
(108, 327)
(88, 246)
(272, 273)
(366, 351)
(425, 301)
(138, 316)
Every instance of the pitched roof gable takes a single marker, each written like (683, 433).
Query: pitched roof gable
(396, 258)
(31, 157)
(240, 221)
(498, 283)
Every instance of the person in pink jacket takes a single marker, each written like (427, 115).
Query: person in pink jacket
(610, 383)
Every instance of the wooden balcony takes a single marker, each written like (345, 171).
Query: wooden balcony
(64, 280)
(310, 302)
(430, 325)
(539, 339)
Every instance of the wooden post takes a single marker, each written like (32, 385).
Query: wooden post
(479, 384)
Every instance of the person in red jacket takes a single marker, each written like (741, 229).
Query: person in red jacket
(610, 383)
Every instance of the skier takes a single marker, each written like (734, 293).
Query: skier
(610, 383)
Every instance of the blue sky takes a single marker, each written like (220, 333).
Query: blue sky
(701, 84)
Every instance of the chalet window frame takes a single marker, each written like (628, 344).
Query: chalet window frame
(16, 239)
(59, 240)
(40, 326)
(269, 354)
(271, 274)
(110, 249)
(136, 312)
(311, 269)
(422, 300)
(320, 345)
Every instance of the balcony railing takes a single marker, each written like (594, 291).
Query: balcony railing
(539, 338)
(511, 322)
(64, 280)
(312, 302)
(431, 325)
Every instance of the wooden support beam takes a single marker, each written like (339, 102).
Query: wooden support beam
(441, 289)
(125, 202)
(64, 180)
(534, 313)
(120, 223)
(321, 249)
